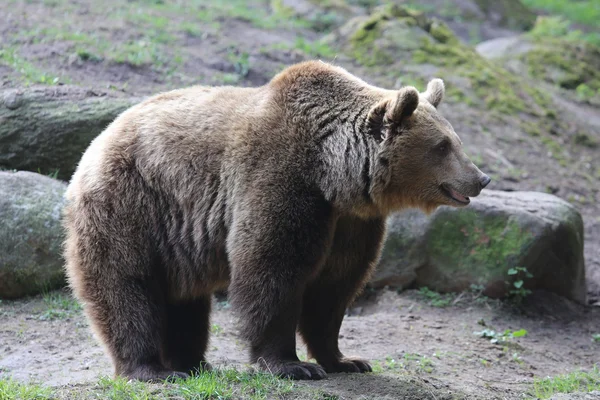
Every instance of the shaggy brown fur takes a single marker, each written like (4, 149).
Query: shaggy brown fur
(279, 193)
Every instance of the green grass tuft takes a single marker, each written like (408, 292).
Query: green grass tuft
(59, 306)
(579, 381)
(11, 389)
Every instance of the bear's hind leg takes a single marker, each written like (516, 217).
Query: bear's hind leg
(131, 321)
(187, 335)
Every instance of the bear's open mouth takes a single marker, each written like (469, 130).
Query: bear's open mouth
(454, 195)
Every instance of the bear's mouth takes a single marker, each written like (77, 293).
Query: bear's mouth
(454, 195)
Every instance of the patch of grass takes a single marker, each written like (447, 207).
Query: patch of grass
(596, 337)
(314, 49)
(389, 364)
(436, 299)
(122, 389)
(423, 364)
(59, 306)
(29, 73)
(11, 389)
(250, 11)
(579, 381)
(137, 53)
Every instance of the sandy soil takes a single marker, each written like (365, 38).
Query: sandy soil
(403, 336)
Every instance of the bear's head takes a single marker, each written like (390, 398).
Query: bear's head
(421, 162)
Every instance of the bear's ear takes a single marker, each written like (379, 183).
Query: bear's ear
(388, 114)
(435, 92)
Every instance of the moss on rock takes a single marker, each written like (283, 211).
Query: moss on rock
(474, 245)
(398, 37)
(565, 63)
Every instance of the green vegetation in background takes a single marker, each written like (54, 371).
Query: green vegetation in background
(585, 12)
(579, 381)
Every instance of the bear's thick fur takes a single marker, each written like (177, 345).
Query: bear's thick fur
(278, 193)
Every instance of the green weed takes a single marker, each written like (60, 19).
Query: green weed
(501, 337)
(517, 291)
(436, 299)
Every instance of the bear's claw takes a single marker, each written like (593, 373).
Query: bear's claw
(349, 364)
(298, 370)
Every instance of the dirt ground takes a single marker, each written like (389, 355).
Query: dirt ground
(401, 334)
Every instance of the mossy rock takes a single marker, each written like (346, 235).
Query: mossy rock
(399, 39)
(478, 245)
(568, 64)
(31, 234)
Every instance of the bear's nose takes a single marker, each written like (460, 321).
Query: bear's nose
(484, 180)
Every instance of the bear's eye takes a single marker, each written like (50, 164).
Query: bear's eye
(442, 148)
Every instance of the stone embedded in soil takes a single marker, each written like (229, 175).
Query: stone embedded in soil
(30, 234)
(477, 245)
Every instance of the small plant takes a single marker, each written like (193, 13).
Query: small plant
(517, 291)
(436, 299)
(596, 337)
(501, 337)
(216, 329)
(240, 61)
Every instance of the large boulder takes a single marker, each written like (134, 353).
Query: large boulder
(30, 234)
(47, 128)
(500, 232)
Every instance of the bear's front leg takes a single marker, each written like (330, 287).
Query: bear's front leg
(274, 248)
(354, 252)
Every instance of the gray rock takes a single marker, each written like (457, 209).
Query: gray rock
(477, 245)
(47, 128)
(502, 47)
(30, 234)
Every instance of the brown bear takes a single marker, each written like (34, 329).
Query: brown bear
(278, 193)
